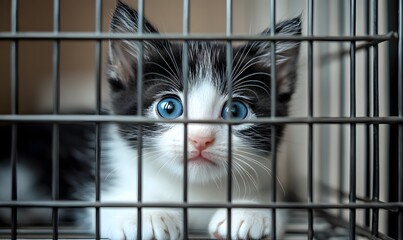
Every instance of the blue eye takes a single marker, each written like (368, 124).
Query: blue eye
(238, 110)
(170, 108)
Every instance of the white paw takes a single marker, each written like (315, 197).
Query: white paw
(118, 224)
(245, 224)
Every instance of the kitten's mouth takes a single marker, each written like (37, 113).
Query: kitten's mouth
(201, 160)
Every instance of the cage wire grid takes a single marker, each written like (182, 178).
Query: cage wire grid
(370, 203)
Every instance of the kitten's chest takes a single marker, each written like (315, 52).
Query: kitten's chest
(165, 187)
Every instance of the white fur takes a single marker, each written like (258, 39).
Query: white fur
(163, 180)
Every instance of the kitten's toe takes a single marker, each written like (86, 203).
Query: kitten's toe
(254, 225)
(245, 224)
(129, 231)
(162, 224)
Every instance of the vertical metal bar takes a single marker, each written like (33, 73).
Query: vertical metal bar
(98, 74)
(185, 72)
(140, 58)
(367, 76)
(393, 109)
(323, 88)
(400, 104)
(14, 110)
(342, 106)
(352, 197)
(273, 114)
(375, 189)
(310, 114)
(229, 104)
(56, 106)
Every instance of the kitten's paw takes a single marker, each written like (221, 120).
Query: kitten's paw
(156, 224)
(245, 224)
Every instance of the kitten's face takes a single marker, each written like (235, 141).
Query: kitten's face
(163, 98)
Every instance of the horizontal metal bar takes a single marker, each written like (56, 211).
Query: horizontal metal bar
(219, 37)
(393, 206)
(22, 118)
(333, 190)
(337, 55)
(360, 230)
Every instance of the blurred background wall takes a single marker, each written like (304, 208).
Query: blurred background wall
(77, 58)
(77, 72)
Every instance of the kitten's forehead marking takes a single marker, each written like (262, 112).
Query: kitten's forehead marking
(204, 64)
(205, 102)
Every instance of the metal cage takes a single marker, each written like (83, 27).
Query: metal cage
(310, 210)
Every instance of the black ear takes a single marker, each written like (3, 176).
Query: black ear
(123, 54)
(286, 55)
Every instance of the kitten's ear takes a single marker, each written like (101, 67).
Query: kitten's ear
(286, 55)
(123, 54)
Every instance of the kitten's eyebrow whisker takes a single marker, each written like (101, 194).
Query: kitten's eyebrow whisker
(171, 56)
(178, 69)
(235, 68)
(164, 82)
(245, 89)
(242, 57)
(169, 65)
(250, 75)
(262, 85)
(253, 61)
(169, 71)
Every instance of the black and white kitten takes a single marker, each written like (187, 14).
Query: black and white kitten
(163, 156)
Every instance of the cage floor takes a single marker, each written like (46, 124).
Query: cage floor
(296, 228)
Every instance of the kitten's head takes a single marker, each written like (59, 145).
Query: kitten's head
(163, 97)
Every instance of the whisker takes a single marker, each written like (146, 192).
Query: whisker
(169, 65)
(267, 169)
(246, 65)
(242, 57)
(247, 174)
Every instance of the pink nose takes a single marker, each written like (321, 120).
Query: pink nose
(201, 143)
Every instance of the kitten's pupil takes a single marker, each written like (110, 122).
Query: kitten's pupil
(169, 107)
(235, 110)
